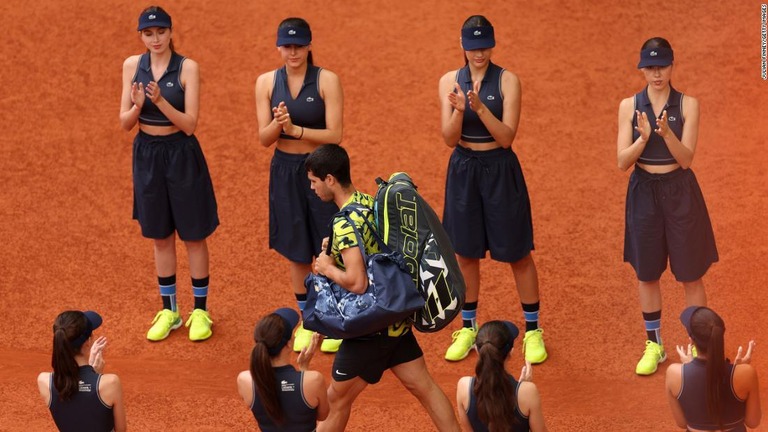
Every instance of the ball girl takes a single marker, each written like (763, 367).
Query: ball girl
(172, 188)
(299, 107)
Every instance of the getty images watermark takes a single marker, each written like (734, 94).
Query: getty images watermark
(763, 35)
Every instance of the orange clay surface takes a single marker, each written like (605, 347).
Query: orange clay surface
(66, 195)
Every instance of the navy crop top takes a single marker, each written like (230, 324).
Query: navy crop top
(299, 416)
(472, 128)
(170, 88)
(308, 109)
(85, 411)
(693, 399)
(474, 419)
(656, 151)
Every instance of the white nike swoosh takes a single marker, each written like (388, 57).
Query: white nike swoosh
(339, 373)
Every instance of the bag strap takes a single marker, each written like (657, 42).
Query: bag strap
(356, 208)
(346, 213)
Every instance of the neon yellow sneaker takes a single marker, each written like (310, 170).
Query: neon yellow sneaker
(463, 341)
(301, 338)
(653, 355)
(199, 324)
(330, 345)
(165, 321)
(533, 346)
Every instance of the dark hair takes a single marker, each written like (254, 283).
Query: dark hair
(708, 328)
(268, 334)
(495, 393)
(298, 23)
(472, 22)
(69, 325)
(159, 9)
(330, 159)
(656, 42)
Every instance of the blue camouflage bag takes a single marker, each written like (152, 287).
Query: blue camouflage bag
(391, 295)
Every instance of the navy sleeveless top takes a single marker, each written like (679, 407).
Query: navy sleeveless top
(693, 399)
(472, 128)
(299, 416)
(478, 426)
(170, 88)
(84, 411)
(308, 109)
(656, 151)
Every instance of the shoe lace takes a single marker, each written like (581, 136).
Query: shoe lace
(465, 333)
(533, 338)
(197, 314)
(652, 348)
(163, 314)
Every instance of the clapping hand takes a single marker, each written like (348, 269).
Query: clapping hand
(137, 94)
(526, 374)
(474, 99)
(747, 357)
(456, 98)
(283, 117)
(662, 127)
(305, 356)
(153, 92)
(96, 357)
(643, 125)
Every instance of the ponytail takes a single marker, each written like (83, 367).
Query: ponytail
(496, 400)
(66, 373)
(715, 373)
(706, 328)
(268, 334)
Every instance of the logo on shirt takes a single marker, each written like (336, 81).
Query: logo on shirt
(286, 386)
(83, 387)
(291, 32)
(169, 84)
(490, 97)
(477, 33)
(310, 99)
(654, 53)
(152, 16)
(672, 118)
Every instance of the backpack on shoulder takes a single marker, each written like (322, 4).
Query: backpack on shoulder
(407, 224)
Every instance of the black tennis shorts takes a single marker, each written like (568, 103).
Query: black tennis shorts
(172, 189)
(666, 218)
(370, 356)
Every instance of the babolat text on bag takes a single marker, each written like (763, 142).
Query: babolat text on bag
(409, 225)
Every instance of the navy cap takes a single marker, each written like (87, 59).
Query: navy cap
(291, 320)
(514, 333)
(476, 38)
(686, 317)
(294, 36)
(92, 322)
(659, 56)
(157, 18)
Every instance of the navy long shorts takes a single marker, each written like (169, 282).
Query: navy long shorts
(298, 219)
(487, 207)
(172, 188)
(667, 218)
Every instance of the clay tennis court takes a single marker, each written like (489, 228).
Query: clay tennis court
(66, 194)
